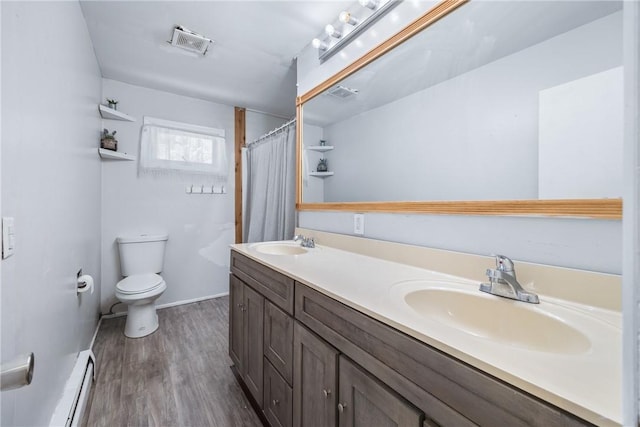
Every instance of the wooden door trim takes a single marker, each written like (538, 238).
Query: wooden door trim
(239, 143)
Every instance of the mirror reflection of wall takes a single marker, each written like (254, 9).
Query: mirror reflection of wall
(496, 101)
(580, 137)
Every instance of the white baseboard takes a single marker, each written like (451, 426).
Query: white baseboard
(189, 301)
(95, 334)
(170, 304)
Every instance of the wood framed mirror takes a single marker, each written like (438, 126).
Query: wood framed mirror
(475, 108)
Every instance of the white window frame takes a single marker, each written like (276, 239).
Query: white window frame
(153, 154)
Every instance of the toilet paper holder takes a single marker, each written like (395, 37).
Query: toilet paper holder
(85, 283)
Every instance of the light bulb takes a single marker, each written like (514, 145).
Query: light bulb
(371, 4)
(347, 18)
(319, 44)
(331, 31)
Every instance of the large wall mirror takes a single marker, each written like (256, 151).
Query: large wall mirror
(484, 107)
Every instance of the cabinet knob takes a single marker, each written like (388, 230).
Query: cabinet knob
(241, 306)
(275, 402)
(342, 407)
(326, 393)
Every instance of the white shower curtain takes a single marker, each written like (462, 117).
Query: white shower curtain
(271, 166)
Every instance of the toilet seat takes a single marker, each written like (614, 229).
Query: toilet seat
(139, 283)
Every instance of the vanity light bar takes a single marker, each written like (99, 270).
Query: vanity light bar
(334, 39)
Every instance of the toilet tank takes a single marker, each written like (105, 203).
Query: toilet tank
(142, 253)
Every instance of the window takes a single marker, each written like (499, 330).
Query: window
(174, 147)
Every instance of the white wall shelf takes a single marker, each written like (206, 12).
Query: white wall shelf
(321, 174)
(111, 114)
(114, 155)
(320, 148)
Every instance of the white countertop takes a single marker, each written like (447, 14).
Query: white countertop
(587, 384)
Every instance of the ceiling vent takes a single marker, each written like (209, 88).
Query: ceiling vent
(189, 40)
(342, 91)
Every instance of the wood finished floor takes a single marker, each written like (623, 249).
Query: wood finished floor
(177, 376)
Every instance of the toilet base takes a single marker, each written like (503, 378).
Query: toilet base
(142, 320)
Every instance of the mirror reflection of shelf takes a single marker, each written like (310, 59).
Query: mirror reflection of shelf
(111, 114)
(114, 155)
(320, 148)
(321, 174)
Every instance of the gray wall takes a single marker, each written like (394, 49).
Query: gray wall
(51, 185)
(631, 217)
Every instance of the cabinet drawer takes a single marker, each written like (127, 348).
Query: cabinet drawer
(450, 392)
(276, 287)
(277, 398)
(278, 340)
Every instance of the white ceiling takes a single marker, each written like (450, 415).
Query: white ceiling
(251, 64)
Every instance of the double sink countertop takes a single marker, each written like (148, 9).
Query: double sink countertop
(564, 352)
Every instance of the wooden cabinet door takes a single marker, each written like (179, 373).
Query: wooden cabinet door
(278, 340)
(277, 397)
(314, 380)
(236, 324)
(253, 361)
(365, 402)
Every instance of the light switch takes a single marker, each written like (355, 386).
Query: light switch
(8, 237)
(358, 224)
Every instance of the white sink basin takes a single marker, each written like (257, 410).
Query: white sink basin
(540, 327)
(279, 248)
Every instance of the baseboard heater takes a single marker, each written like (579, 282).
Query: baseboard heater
(74, 399)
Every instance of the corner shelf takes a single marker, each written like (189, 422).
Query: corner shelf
(114, 155)
(321, 174)
(111, 114)
(320, 148)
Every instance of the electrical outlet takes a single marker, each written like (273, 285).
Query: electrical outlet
(358, 224)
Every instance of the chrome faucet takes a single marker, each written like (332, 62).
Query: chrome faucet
(305, 242)
(503, 282)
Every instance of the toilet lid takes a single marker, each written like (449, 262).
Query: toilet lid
(139, 283)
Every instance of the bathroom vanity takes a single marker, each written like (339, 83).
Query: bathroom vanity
(310, 353)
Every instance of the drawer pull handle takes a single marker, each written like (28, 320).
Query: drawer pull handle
(275, 402)
(326, 393)
(342, 407)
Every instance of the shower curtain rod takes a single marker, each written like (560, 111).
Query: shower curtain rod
(272, 132)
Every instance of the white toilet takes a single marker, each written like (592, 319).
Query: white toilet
(141, 259)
